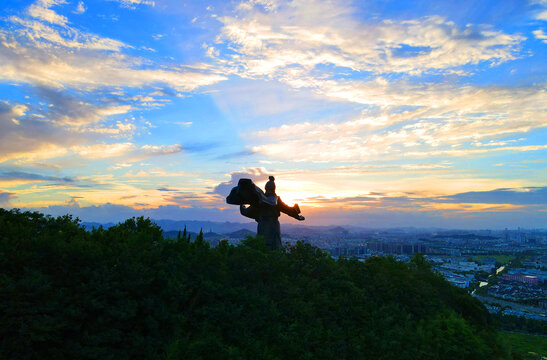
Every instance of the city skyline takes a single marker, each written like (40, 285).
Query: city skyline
(374, 113)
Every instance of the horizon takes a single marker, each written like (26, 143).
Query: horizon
(374, 114)
(242, 222)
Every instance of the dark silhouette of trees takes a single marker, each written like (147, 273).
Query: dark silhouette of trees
(128, 293)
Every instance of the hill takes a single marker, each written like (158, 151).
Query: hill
(174, 234)
(191, 225)
(241, 233)
(126, 292)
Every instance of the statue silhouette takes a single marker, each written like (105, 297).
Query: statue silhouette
(264, 208)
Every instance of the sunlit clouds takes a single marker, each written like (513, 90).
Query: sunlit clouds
(438, 120)
(291, 40)
(367, 113)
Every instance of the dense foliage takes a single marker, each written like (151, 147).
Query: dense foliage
(128, 293)
(520, 324)
(525, 346)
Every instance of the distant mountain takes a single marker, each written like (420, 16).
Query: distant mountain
(241, 233)
(213, 229)
(206, 226)
(91, 225)
(312, 231)
(208, 235)
(211, 235)
(174, 233)
(191, 226)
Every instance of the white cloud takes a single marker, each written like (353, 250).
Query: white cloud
(540, 35)
(41, 10)
(153, 150)
(313, 44)
(132, 4)
(542, 13)
(291, 40)
(43, 49)
(26, 137)
(88, 69)
(48, 51)
(81, 8)
(95, 114)
(103, 151)
(439, 118)
(119, 130)
(41, 35)
(29, 133)
(128, 150)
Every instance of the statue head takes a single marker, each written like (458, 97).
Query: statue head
(270, 186)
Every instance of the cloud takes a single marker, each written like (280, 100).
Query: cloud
(25, 176)
(541, 13)
(406, 119)
(540, 34)
(155, 150)
(508, 196)
(132, 4)
(41, 10)
(256, 174)
(128, 150)
(200, 147)
(32, 132)
(495, 208)
(104, 151)
(80, 80)
(379, 210)
(118, 130)
(87, 69)
(403, 84)
(322, 47)
(40, 35)
(81, 8)
(65, 109)
(46, 50)
(5, 198)
(236, 154)
(25, 136)
(522, 196)
(166, 189)
(468, 152)
(289, 41)
(434, 218)
(114, 213)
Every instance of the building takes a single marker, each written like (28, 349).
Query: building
(529, 279)
(397, 247)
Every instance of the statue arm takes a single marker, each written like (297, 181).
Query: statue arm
(293, 211)
(248, 211)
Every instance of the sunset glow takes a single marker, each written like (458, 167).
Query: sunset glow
(365, 112)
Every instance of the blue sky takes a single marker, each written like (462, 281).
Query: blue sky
(373, 113)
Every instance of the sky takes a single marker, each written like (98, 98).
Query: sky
(371, 113)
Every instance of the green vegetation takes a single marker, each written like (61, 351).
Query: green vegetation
(512, 323)
(500, 259)
(526, 346)
(128, 293)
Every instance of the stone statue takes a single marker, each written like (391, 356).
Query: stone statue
(264, 208)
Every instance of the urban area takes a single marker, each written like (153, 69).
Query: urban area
(505, 269)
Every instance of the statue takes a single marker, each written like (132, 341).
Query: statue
(264, 208)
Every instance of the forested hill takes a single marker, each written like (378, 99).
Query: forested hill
(128, 293)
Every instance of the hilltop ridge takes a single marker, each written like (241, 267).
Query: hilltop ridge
(126, 292)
